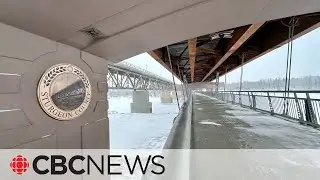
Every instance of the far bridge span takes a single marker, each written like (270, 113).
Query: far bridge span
(128, 76)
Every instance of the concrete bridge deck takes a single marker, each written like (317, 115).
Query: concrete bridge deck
(218, 125)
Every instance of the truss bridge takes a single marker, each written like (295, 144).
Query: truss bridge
(128, 76)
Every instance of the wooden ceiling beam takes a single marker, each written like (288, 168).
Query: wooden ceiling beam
(209, 51)
(157, 55)
(245, 36)
(192, 44)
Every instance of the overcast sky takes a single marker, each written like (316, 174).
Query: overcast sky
(305, 62)
(147, 62)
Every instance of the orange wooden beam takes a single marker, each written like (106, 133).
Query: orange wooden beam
(157, 55)
(192, 46)
(209, 51)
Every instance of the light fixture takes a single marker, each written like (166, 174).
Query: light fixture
(224, 34)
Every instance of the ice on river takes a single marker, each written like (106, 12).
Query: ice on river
(138, 130)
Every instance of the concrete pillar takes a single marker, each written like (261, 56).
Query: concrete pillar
(140, 102)
(34, 118)
(166, 96)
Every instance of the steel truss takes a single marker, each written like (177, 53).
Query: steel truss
(127, 76)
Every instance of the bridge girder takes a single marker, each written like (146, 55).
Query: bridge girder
(126, 78)
(221, 52)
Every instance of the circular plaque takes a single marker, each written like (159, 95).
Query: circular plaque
(64, 91)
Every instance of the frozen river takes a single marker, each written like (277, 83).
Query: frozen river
(137, 130)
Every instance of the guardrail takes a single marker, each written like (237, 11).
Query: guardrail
(177, 147)
(303, 106)
(180, 134)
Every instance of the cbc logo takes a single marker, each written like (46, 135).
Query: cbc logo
(19, 164)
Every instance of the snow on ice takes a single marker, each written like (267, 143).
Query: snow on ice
(136, 130)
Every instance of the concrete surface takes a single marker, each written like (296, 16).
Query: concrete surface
(166, 97)
(24, 57)
(140, 102)
(136, 26)
(217, 125)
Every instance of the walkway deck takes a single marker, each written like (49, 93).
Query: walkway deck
(218, 125)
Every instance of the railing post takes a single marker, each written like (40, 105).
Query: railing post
(253, 101)
(285, 104)
(298, 107)
(270, 104)
(250, 102)
(240, 101)
(310, 117)
(232, 98)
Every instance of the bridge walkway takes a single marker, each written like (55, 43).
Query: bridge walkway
(219, 125)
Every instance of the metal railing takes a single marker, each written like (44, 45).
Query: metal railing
(178, 143)
(303, 106)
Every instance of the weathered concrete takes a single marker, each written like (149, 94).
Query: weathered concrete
(217, 125)
(166, 97)
(24, 58)
(140, 102)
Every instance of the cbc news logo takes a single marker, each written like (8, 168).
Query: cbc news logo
(59, 164)
(19, 164)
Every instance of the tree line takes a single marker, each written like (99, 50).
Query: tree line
(299, 83)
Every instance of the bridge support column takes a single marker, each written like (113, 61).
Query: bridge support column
(140, 102)
(166, 96)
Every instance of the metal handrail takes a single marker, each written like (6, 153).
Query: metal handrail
(179, 138)
(180, 134)
(304, 109)
(280, 91)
